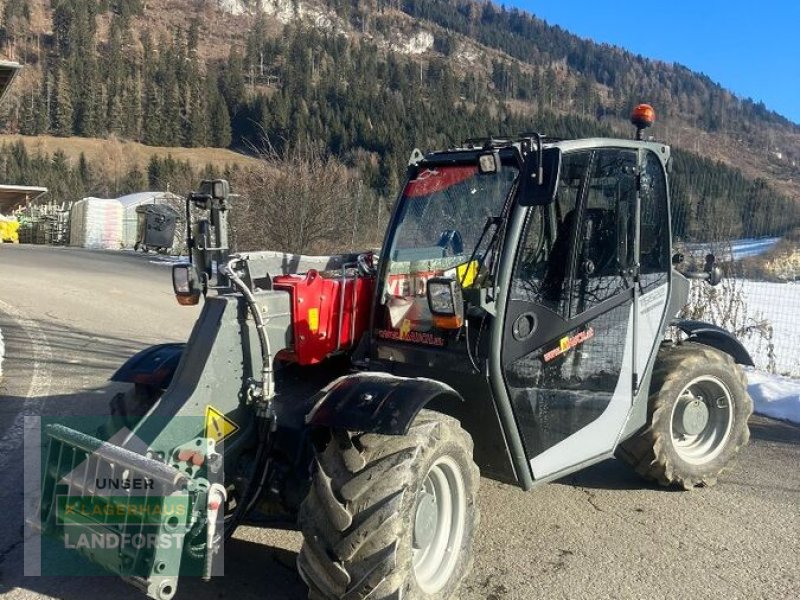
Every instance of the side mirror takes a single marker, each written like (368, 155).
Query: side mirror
(715, 276)
(446, 302)
(537, 193)
(713, 271)
(186, 284)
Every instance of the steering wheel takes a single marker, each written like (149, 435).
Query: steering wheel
(366, 264)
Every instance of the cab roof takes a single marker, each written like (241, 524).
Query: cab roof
(478, 145)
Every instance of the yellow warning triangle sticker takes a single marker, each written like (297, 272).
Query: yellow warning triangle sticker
(218, 426)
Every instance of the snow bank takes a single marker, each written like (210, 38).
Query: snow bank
(775, 396)
(778, 303)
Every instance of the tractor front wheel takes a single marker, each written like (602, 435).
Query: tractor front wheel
(697, 418)
(391, 516)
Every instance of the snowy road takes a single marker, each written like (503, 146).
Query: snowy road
(598, 534)
(736, 249)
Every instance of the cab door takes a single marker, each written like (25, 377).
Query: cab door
(568, 349)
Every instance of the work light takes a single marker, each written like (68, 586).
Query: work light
(489, 163)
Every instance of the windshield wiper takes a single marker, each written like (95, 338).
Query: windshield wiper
(490, 222)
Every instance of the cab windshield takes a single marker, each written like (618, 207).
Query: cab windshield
(444, 212)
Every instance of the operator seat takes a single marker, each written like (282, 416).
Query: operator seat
(552, 290)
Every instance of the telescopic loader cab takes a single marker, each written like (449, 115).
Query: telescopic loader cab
(512, 326)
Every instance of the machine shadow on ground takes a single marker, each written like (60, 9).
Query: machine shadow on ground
(613, 474)
(252, 570)
(772, 431)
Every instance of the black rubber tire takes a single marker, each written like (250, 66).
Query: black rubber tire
(357, 520)
(651, 451)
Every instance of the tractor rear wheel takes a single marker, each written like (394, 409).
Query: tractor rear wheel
(391, 516)
(697, 418)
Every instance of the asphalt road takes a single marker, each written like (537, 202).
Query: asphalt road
(70, 317)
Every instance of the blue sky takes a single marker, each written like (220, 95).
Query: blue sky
(750, 47)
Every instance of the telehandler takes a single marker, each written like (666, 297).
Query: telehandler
(517, 324)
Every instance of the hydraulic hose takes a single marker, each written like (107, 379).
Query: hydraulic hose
(267, 383)
(267, 388)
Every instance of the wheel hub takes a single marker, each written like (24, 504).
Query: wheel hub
(425, 521)
(693, 416)
(439, 525)
(702, 419)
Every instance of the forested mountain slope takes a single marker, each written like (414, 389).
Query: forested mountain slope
(371, 79)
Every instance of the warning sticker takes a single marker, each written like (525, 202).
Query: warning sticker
(313, 320)
(218, 426)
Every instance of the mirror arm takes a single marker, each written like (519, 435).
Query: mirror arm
(539, 168)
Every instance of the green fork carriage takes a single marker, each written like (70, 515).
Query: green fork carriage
(517, 322)
(159, 501)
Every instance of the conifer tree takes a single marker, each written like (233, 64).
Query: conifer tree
(132, 107)
(152, 117)
(233, 82)
(220, 124)
(62, 111)
(198, 118)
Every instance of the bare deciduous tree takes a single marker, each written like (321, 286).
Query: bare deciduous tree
(303, 201)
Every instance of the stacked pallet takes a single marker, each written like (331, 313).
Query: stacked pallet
(44, 223)
(96, 223)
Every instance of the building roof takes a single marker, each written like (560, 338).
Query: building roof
(12, 196)
(8, 71)
(145, 197)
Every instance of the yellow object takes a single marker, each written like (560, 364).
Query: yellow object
(218, 426)
(466, 273)
(405, 329)
(9, 231)
(313, 320)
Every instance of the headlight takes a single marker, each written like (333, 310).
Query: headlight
(445, 302)
(440, 297)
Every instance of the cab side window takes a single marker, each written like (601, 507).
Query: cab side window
(542, 271)
(654, 237)
(605, 243)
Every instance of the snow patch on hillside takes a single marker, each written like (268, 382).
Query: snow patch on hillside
(775, 396)
(283, 10)
(468, 53)
(419, 43)
(234, 7)
(2, 352)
